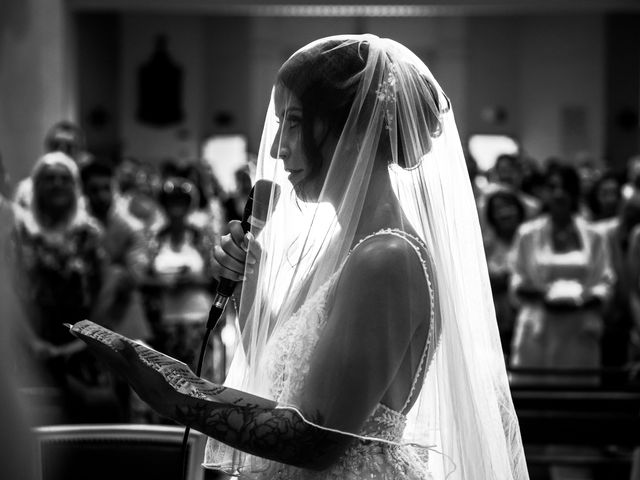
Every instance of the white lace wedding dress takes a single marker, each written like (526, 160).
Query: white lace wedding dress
(287, 364)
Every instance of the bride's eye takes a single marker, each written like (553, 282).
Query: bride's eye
(294, 121)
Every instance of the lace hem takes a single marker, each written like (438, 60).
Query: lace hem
(364, 460)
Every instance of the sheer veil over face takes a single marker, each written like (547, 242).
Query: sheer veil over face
(360, 140)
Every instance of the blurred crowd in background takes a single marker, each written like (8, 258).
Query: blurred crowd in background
(129, 245)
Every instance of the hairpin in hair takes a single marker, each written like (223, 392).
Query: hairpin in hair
(386, 93)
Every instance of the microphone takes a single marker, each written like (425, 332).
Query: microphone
(253, 219)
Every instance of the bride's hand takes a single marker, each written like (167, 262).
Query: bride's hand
(149, 384)
(237, 254)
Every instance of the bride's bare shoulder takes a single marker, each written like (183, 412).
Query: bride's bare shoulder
(386, 253)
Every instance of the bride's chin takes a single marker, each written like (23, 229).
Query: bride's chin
(306, 192)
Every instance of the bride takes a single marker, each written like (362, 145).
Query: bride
(369, 347)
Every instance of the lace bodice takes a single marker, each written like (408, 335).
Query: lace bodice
(287, 362)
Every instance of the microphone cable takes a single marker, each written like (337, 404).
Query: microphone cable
(254, 216)
(187, 430)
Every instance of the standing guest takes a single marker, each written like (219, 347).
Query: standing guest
(59, 267)
(632, 184)
(203, 215)
(217, 197)
(16, 456)
(121, 305)
(234, 204)
(5, 187)
(604, 198)
(6, 205)
(68, 138)
(623, 241)
(180, 270)
(17, 336)
(505, 213)
(126, 252)
(562, 278)
(65, 137)
(140, 200)
(533, 180)
(125, 175)
(369, 343)
(589, 170)
(508, 172)
(633, 271)
(474, 171)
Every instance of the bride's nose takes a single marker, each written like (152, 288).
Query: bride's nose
(279, 150)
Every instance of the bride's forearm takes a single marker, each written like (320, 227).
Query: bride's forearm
(278, 434)
(244, 421)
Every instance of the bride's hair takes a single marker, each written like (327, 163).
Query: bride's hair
(325, 78)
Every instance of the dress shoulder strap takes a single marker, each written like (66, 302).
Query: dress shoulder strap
(427, 267)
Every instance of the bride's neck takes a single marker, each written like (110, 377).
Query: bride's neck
(381, 208)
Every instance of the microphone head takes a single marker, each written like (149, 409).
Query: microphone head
(256, 209)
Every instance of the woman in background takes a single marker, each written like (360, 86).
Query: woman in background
(180, 269)
(604, 198)
(505, 212)
(59, 268)
(562, 277)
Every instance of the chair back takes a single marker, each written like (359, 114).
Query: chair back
(116, 452)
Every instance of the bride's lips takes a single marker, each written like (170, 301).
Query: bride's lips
(293, 175)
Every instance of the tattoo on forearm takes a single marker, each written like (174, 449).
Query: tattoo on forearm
(278, 434)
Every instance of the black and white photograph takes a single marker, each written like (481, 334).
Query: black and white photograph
(299, 240)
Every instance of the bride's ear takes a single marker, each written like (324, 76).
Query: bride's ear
(326, 138)
(321, 131)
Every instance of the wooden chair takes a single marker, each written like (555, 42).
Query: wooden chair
(116, 452)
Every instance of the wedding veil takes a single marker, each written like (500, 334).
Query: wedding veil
(384, 104)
